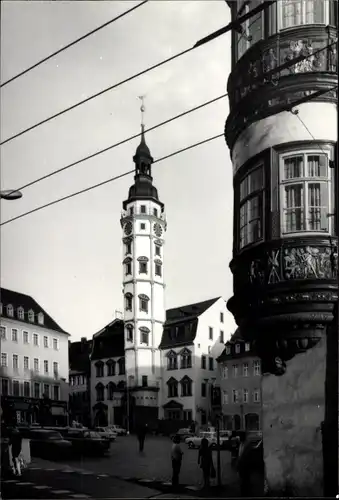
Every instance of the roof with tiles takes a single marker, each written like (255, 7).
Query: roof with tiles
(79, 356)
(17, 300)
(109, 342)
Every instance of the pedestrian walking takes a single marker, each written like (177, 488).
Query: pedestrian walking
(176, 456)
(15, 442)
(142, 431)
(205, 460)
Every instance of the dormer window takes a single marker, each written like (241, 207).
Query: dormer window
(237, 348)
(21, 313)
(40, 318)
(247, 346)
(10, 310)
(228, 350)
(31, 316)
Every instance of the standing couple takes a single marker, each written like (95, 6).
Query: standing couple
(205, 460)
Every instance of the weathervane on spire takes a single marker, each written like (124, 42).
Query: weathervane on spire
(142, 108)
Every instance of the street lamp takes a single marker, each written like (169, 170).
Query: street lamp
(10, 194)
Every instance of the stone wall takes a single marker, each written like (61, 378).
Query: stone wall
(293, 409)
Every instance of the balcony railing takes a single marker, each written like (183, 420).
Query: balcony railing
(148, 211)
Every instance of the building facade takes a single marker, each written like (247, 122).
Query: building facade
(80, 381)
(34, 359)
(193, 338)
(239, 378)
(285, 246)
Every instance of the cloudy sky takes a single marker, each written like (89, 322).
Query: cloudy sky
(69, 256)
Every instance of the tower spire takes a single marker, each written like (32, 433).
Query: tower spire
(142, 157)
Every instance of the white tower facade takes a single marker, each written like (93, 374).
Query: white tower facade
(143, 223)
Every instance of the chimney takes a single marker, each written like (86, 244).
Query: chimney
(83, 340)
(118, 314)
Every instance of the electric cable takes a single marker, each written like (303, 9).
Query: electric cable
(45, 59)
(112, 179)
(295, 113)
(123, 141)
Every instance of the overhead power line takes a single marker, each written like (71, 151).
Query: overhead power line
(233, 25)
(123, 141)
(112, 179)
(45, 59)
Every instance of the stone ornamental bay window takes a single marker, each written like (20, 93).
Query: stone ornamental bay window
(251, 193)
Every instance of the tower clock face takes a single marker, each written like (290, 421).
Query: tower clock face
(158, 229)
(128, 228)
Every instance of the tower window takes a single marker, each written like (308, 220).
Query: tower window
(221, 336)
(128, 248)
(131, 210)
(155, 212)
(158, 270)
(128, 266)
(158, 250)
(142, 226)
(129, 333)
(142, 267)
(252, 28)
(129, 301)
(144, 335)
(251, 207)
(144, 381)
(143, 303)
(305, 193)
(143, 209)
(210, 333)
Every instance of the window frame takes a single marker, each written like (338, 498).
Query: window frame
(245, 393)
(24, 332)
(246, 26)
(235, 396)
(257, 368)
(144, 335)
(203, 389)
(4, 356)
(225, 398)
(245, 368)
(26, 368)
(222, 337)
(15, 368)
(235, 371)
(172, 388)
(210, 332)
(280, 16)
(14, 337)
(36, 365)
(210, 363)
(305, 181)
(203, 362)
(3, 332)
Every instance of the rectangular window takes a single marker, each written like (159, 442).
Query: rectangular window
(252, 29)
(221, 317)
(158, 269)
(46, 390)
(142, 226)
(251, 207)
(45, 341)
(173, 390)
(4, 387)
(14, 335)
(56, 393)
(247, 346)
(235, 396)
(221, 336)
(25, 337)
(55, 369)
(142, 267)
(224, 397)
(27, 391)
(144, 337)
(36, 390)
(210, 363)
(203, 362)
(203, 389)
(305, 184)
(26, 363)
(235, 371)
(155, 212)
(158, 250)
(131, 210)
(16, 388)
(3, 332)
(36, 364)
(143, 304)
(45, 367)
(245, 370)
(245, 395)
(129, 303)
(128, 268)
(256, 367)
(256, 396)
(237, 348)
(4, 359)
(299, 12)
(15, 362)
(128, 247)
(143, 209)
(210, 329)
(144, 381)
(225, 372)
(56, 344)
(35, 339)
(188, 416)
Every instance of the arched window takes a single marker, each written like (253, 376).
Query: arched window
(21, 313)
(158, 267)
(144, 335)
(186, 358)
(111, 387)
(110, 368)
(129, 332)
(143, 303)
(40, 318)
(186, 386)
(121, 364)
(128, 265)
(31, 315)
(143, 265)
(172, 388)
(172, 360)
(10, 310)
(128, 301)
(100, 390)
(99, 367)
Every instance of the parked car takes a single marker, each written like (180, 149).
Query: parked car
(106, 433)
(195, 441)
(120, 431)
(86, 442)
(183, 434)
(46, 443)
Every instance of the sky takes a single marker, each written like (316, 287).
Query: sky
(69, 256)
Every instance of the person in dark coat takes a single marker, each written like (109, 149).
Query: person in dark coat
(205, 460)
(16, 441)
(176, 456)
(142, 431)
